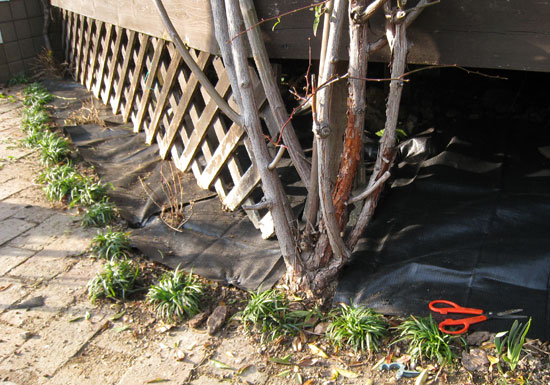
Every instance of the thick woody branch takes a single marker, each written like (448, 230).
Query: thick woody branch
(273, 95)
(271, 184)
(264, 204)
(369, 190)
(411, 16)
(201, 77)
(322, 132)
(222, 37)
(361, 14)
(387, 143)
(351, 155)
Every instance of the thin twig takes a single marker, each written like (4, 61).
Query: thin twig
(277, 158)
(369, 190)
(277, 17)
(186, 56)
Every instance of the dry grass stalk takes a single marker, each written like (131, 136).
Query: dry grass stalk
(46, 66)
(88, 113)
(173, 212)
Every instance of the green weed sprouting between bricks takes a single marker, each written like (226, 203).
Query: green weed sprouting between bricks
(176, 296)
(34, 136)
(36, 94)
(63, 182)
(99, 214)
(270, 312)
(117, 280)
(34, 116)
(360, 327)
(54, 148)
(425, 340)
(513, 341)
(110, 244)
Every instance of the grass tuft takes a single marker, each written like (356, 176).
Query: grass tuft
(35, 94)
(269, 311)
(99, 214)
(63, 182)
(425, 339)
(54, 148)
(117, 280)
(359, 327)
(34, 116)
(110, 244)
(176, 296)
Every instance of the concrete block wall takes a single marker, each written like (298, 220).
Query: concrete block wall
(21, 38)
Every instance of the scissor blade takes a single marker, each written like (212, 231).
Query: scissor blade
(510, 314)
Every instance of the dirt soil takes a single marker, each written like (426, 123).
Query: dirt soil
(52, 334)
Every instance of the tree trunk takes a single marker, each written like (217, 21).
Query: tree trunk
(271, 184)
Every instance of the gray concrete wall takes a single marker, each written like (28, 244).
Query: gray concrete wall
(21, 29)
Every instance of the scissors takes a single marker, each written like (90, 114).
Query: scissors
(480, 315)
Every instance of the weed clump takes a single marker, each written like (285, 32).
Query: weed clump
(110, 244)
(176, 296)
(510, 344)
(99, 214)
(116, 281)
(270, 312)
(35, 94)
(360, 327)
(425, 339)
(54, 148)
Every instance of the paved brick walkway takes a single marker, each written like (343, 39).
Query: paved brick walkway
(44, 270)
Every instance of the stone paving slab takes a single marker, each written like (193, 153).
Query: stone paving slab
(11, 228)
(8, 108)
(41, 356)
(11, 339)
(11, 257)
(7, 210)
(13, 291)
(31, 213)
(42, 235)
(92, 367)
(11, 187)
(58, 294)
(157, 367)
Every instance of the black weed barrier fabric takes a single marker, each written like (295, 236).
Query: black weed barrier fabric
(467, 219)
(213, 243)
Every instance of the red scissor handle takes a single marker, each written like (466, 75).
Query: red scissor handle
(465, 322)
(452, 308)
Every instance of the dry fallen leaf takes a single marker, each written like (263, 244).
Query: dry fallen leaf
(2, 288)
(347, 373)
(317, 351)
(179, 355)
(297, 344)
(221, 365)
(118, 316)
(243, 369)
(308, 361)
(303, 337)
(422, 378)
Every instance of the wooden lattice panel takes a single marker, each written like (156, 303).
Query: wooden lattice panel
(145, 79)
